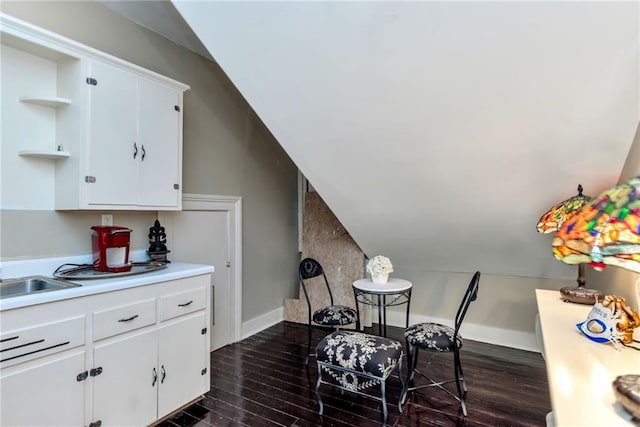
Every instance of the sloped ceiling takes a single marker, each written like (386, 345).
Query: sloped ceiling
(439, 132)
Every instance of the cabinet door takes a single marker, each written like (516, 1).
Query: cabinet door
(112, 144)
(45, 393)
(160, 139)
(182, 359)
(124, 394)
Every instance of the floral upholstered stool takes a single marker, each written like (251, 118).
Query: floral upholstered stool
(356, 362)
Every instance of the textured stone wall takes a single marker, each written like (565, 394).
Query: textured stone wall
(327, 241)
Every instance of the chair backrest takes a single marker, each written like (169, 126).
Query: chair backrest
(470, 295)
(308, 269)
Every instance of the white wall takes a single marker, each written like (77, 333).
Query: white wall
(438, 132)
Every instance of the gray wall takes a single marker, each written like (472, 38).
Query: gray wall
(227, 151)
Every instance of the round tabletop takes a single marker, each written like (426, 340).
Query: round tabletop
(393, 286)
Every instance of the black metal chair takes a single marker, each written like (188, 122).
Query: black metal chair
(326, 315)
(435, 337)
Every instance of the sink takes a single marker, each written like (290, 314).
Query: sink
(32, 284)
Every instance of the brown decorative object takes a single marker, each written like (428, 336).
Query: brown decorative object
(627, 391)
(580, 294)
(628, 319)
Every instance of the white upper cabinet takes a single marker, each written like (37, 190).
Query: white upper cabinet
(112, 137)
(133, 156)
(159, 126)
(103, 134)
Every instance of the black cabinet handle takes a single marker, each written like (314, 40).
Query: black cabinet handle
(129, 319)
(155, 377)
(164, 374)
(185, 304)
(135, 150)
(144, 153)
(34, 351)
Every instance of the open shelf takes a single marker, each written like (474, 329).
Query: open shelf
(47, 101)
(44, 154)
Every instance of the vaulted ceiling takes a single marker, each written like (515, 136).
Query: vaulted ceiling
(437, 132)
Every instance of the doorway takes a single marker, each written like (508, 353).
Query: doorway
(208, 231)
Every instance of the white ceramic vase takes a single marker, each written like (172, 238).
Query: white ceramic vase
(380, 278)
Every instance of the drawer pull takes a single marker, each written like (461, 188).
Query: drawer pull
(128, 319)
(10, 338)
(185, 304)
(35, 351)
(22, 345)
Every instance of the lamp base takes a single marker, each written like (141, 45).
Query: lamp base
(581, 295)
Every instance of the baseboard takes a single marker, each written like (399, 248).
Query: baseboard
(261, 322)
(487, 334)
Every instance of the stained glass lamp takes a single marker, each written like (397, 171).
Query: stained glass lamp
(551, 222)
(605, 232)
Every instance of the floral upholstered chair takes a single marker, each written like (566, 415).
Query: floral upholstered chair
(358, 362)
(331, 315)
(434, 337)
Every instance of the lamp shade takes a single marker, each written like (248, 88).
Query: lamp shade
(552, 220)
(606, 231)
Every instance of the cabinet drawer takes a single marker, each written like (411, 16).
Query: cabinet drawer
(175, 305)
(30, 343)
(123, 319)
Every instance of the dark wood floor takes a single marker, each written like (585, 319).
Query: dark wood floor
(263, 381)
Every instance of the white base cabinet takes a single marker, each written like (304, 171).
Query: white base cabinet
(45, 393)
(180, 348)
(125, 391)
(123, 358)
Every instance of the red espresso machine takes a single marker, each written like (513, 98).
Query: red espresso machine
(110, 246)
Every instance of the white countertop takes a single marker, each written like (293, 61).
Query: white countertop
(46, 267)
(581, 371)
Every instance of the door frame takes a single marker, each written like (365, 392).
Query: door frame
(232, 205)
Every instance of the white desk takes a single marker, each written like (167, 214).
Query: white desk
(398, 291)
(580, 371)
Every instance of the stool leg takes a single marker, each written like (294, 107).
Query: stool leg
(384, 402)
(318, 389)
(401, 399)
(412, 353)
